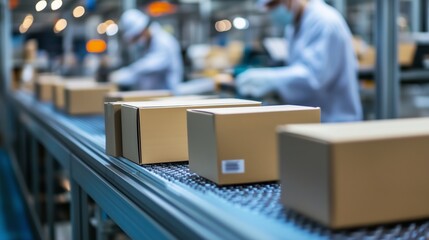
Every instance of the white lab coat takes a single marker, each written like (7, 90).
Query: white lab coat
(322, 68)
(160, 66)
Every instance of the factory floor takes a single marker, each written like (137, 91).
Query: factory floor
(14, 220)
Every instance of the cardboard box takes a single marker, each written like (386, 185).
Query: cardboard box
(58, 95)
(135, 96)
(44, 86)
(186, 98)
(356, 174)
(156, 132)
(113, 128)
(86, 99)
(239, 145)
(112, 124)
(406, 53)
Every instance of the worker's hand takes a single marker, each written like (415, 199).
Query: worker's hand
(121, 77)
(257, 83)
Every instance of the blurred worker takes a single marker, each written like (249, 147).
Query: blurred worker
(322, 68)
(160, 62)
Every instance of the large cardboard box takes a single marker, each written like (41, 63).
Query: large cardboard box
(58, 94)
(356, 174)
(86, 99)
(135, 96)
(239, 145)
(44, 86)
(156, 132)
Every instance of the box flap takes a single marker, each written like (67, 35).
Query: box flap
(150, 93)
(130, 133)
(362, 131)
(246, 110)
(194, 103)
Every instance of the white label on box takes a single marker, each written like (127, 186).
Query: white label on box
(233, 166)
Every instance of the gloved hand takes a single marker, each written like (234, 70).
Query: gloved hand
(122, 77)
(257, 83)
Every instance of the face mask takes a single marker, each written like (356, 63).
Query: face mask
(281, 15)
(141, 43)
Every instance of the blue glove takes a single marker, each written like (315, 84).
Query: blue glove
(258, 83)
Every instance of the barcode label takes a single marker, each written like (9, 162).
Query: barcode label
(233, 166)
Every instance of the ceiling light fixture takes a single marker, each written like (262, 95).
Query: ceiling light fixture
(112, 29)
(56, 4)
(60, 25)
(41, 5)
(78, 11)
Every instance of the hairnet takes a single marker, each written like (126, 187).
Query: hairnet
(132, 23)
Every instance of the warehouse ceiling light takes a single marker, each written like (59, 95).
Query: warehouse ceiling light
(26, 23)
(60, 25)
(78, 11)
(22, 29)
(102, 27)
(41, 5)
(112, 29)
(223, 25)
(56, 4)
(240, 23)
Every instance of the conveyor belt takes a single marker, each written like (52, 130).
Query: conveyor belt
(261, 199)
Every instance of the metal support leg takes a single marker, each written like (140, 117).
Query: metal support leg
(35, 181)
(79, 211)
(50, 205)
(24, 152)
(387, 68)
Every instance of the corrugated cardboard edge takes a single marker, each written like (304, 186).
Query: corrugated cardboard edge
(113, 127)
(210, 135)
(325, 179)
(130, 133)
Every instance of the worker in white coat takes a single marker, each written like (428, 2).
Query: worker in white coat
(159, 65)
(322, 68)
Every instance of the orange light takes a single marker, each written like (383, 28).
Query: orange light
(13, 4)
(96, 46)
(160, 8)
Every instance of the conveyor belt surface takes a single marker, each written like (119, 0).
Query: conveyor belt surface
(262, 200)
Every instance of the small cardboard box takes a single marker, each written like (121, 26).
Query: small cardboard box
(135, 96)
(156, 132)
(356, 174)
(112, 124)
(113, 128)
(58, 94)
(86, 98)
(44, 86)
(239, 145)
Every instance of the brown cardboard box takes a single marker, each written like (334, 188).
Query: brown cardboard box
(112, 115)
(356, 174)
(239, 145)
(58, 95)
(135, 96)
(186, 98)
(86, 99)
(112, 123)
(156, 132)
(406, 53)
(112, 120)
(44, 86)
